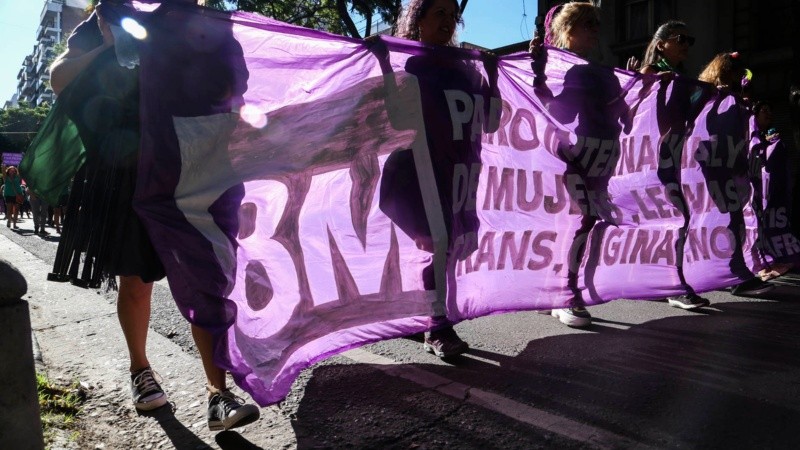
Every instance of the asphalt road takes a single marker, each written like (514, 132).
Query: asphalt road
(643, 375)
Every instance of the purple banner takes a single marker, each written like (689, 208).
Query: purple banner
(310, 193)
(12, 159)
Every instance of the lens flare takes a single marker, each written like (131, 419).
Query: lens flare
(133, 28)
(254, 116)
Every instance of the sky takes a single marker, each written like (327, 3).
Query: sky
(496, 23)
(488, 23)
(19, 20)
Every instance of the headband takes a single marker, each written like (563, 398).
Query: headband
(548, 20)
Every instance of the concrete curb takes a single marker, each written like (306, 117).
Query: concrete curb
(19, 405)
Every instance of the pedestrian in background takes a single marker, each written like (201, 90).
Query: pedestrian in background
(60, 208)
(25, 208)
(39, 209)
(13, 195)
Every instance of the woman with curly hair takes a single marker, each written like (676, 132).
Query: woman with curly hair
(726, 71)
(430, 22)
(433, 23)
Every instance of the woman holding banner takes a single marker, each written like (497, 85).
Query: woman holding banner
(664, 56)
(728, 73)
(575, 27)
(667, 50)
(101, 228)
(433, 22)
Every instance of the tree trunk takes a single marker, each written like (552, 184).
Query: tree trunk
(341, 7)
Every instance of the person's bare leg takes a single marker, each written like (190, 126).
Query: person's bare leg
(215, 377)
(57, 219)
(133, 311)
(225, 410)
(14, 208)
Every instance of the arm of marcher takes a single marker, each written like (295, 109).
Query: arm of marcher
(69, 64)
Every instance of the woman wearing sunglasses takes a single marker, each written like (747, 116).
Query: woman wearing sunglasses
(664, 56)
(668, 49)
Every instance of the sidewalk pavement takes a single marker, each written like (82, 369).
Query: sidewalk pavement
(77, 338)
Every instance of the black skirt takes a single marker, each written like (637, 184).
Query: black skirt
(103, 236)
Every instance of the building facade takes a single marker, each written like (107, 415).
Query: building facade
(56, 22)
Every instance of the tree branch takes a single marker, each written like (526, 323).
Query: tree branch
(341, 7)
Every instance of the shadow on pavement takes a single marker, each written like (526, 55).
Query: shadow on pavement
(182, 437)
(231, 440)
(785, 282)
(729, 378)
(178, 434)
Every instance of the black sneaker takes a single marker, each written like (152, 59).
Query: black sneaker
(688, 301)
(753, 286)
(444, 343)
(147, 393)
(226, 411)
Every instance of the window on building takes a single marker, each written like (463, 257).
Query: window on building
(774, 24)
(638, 19)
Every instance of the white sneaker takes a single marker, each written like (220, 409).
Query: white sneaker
(688, 301)
(573, 317)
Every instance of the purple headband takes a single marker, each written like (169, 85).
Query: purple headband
(548, 19)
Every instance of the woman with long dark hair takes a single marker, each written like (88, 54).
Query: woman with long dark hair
(668, 49)
(664, 56)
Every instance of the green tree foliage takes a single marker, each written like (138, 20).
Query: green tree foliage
(335, 16)
(19, 125)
